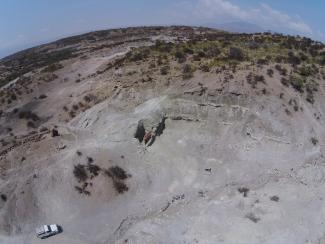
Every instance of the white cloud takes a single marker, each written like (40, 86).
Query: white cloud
(263, 15)
(211, 8)
(282, 19)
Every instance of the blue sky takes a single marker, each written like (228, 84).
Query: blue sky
(25, 23)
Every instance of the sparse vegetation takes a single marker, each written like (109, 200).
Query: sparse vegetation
(52, 68)
(187, 72)
(297, 83)
(253, 80)
(164, 70)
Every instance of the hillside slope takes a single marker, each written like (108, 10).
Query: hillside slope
(164, 135)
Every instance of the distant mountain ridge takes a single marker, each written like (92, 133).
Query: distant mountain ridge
(238, 27)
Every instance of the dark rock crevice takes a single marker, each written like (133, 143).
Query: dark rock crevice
(140, 132)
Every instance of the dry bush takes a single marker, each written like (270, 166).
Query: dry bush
(117, 172)
(205, 68)
(164, 70)
(187, 72)
(90, 160)
(180, 56)
(262, 61)
(274, 198)
(118, 176)
(120, 187)
(282, 71)
(253, 80)
(244, 191)
(252, 217)
(28, 115)
(80, 172)
(270, 72)
(52, 67)
(314, 141)
(93, 169)
(297, 83)
(75, 107)
(293, 59)
(31, 124)
(3, 197)
(212, 52)
(285, 81)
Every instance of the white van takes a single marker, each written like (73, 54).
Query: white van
(47, 230)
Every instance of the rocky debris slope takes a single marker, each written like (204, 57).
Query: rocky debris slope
(166, 135)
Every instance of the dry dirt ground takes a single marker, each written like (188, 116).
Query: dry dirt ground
(229, 164)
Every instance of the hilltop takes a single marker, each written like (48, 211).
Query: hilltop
(164, 135)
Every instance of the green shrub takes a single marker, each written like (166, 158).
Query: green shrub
(293, 59)
(297, 83)
(180, 56)
(322, 60)
(305, 71)
(52, 67)
(212, 52)
(236, 53)
(162, 46)
(188, 50)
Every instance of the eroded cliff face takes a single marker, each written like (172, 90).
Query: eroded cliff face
(165, 135)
